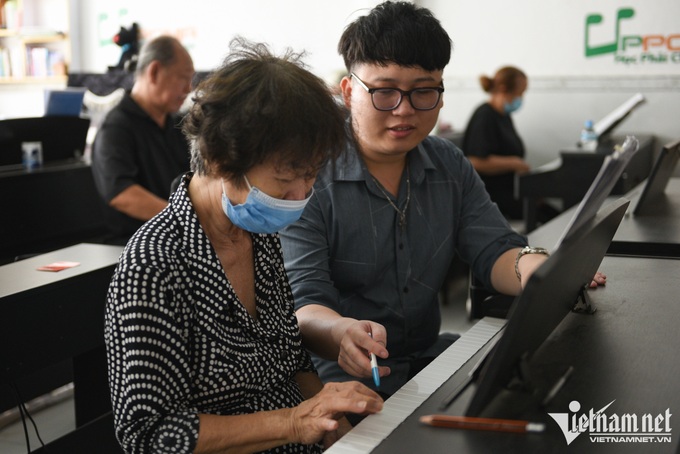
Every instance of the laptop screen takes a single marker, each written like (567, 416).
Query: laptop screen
(65, 102)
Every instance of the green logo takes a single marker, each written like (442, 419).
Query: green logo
(632, 49)
(594, 19)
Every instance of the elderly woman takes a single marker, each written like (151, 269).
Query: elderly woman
(204, 350)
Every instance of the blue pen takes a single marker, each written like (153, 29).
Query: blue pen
(374, 368)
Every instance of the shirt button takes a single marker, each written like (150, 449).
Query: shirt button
(405, 289)
(401, 246)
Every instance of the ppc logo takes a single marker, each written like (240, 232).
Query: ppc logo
(623, 43)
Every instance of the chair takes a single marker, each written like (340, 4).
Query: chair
(97, 107)
(486, 303)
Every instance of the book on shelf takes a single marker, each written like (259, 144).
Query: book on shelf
(44, 62)
(11, 63)
(10, 18)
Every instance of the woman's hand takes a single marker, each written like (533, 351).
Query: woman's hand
(318, 416)
(344, 426)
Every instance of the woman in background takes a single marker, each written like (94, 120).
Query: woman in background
(491, 142)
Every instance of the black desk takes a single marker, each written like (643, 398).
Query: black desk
(569, 177)
(626, 352)
(50, 317)
(48, 208)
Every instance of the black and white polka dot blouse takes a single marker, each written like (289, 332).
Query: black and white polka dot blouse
(179, 343)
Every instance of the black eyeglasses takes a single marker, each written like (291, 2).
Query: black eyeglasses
(385, 99)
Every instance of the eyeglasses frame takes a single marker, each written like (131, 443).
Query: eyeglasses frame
(402, 93)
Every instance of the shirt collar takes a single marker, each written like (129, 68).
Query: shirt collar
(350, 167)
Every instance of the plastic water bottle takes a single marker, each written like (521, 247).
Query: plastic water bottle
(588, 137)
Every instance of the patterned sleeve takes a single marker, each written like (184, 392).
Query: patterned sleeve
(149, 368)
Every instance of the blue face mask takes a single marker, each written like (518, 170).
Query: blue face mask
(262, 213)
(513, 106)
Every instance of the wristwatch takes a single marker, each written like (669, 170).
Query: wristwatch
(528, 250)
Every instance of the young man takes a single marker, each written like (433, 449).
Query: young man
(139, 149)
(375, 242)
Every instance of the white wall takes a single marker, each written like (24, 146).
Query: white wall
(546, 38)
(206, 27)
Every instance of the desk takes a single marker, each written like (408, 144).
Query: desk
(626, 352)
(50, 317)
(569, 177)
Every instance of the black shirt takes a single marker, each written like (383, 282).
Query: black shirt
(130, 148)
(491, 133)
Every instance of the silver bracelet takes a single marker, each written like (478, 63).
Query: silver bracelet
(528, 250)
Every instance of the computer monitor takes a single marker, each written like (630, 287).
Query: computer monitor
(606, 125)
(64, 102)
(656, 183)
(549, 295)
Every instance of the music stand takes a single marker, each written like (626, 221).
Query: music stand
(549, 295)
(612, 168)
(656, 183)
(559, 285)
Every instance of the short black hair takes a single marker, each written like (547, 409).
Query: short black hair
(257, 107)
(396, 32)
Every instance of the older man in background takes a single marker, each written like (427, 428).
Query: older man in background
(140, 149)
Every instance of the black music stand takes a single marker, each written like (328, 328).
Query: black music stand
(657, 181)
(550, 294)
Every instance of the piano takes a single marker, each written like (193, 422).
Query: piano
(569, 177)
(370, 432)
(48, 208)
(625, 352)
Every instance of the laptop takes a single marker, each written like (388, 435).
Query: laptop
(656, 183)
(64, 102)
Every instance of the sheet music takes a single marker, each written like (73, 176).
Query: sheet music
(374, 428)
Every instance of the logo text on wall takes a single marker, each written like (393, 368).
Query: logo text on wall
(614, 428)
(647, 49)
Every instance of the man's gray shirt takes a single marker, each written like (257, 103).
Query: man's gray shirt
(348, 253)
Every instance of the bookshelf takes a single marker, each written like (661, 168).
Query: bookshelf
(35, 46)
